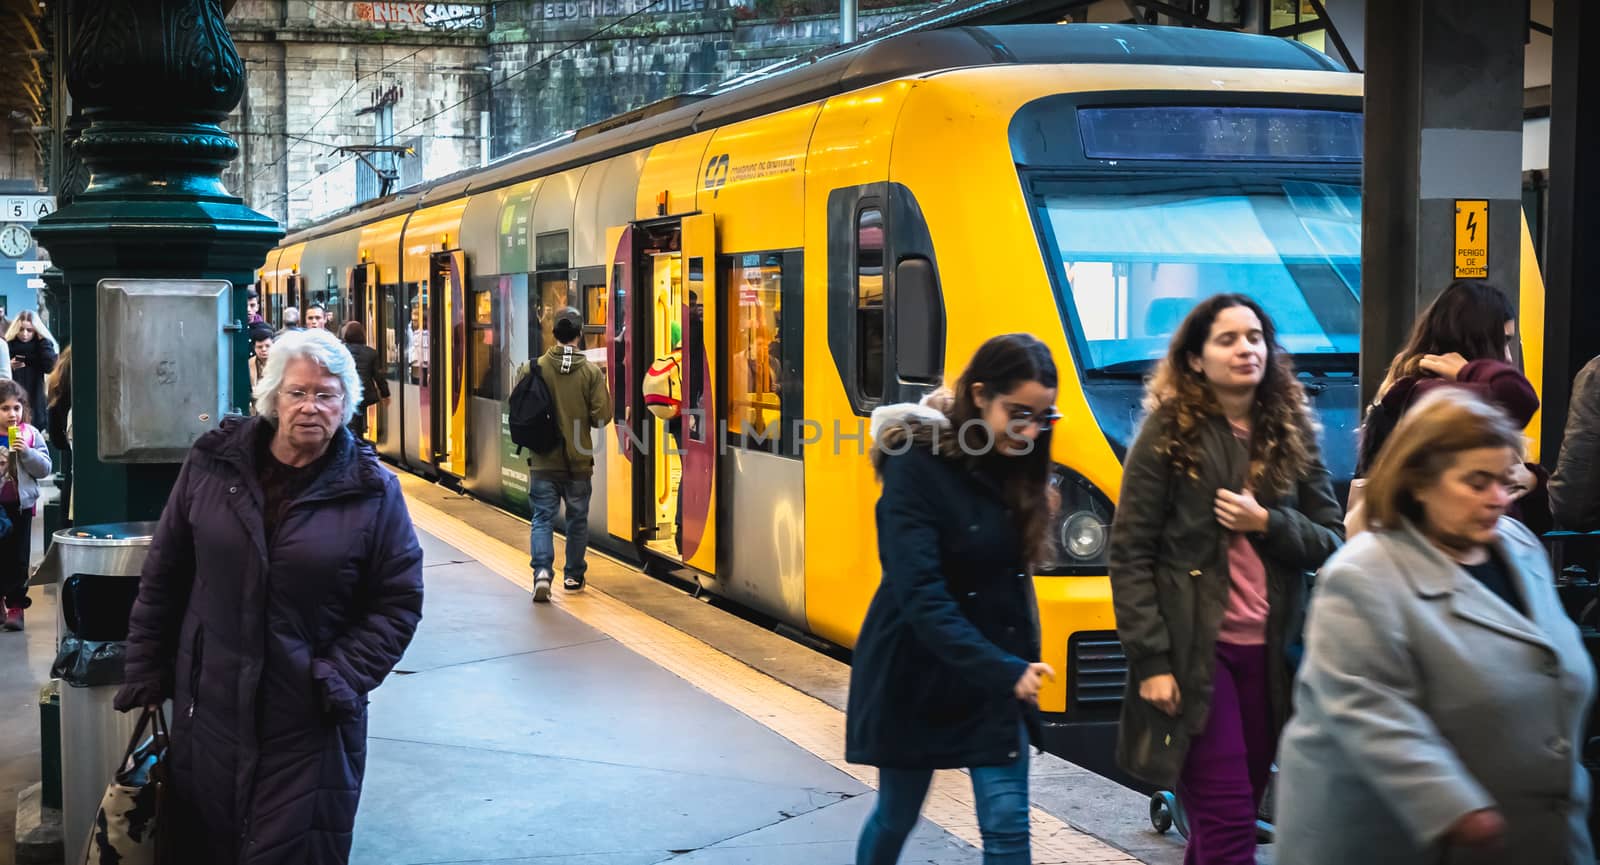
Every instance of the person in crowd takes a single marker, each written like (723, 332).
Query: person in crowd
(33, 356)
(291, 322)
(59, 386)
(269, 657)
(564, 475)
(316, 317)
(28, 462)
(1575, 484)
(1440, 708)
(946, 671)
(1463, 339)
(1225, 507)
(252, 306)
(374, 387)
(260, 347)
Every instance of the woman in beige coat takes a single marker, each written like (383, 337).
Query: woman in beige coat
(1440, 708)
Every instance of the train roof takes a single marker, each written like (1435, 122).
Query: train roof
(852, 67)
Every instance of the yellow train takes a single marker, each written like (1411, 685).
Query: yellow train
(844, 235)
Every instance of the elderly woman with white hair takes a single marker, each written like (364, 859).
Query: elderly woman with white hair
(284, 583)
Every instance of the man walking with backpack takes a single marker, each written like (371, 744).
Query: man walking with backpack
(553, 415)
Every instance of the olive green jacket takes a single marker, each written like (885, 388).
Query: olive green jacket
(1170, 581)
(582, 405)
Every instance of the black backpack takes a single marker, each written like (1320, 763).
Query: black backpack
(534, 424)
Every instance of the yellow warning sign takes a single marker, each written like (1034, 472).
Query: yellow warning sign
(1472, 239)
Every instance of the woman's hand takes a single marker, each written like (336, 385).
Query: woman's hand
(1481, 828)
(18, 363)
(1445, 366)
(1240, 512)
(1162, 692)
(1027, 687)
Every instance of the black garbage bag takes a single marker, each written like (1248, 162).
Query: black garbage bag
(88, 663)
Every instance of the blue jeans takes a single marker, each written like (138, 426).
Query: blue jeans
(545, 496)
(1002, 800)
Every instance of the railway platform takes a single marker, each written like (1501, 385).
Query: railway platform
(625, 725)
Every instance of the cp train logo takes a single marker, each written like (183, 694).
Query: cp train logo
(717, 174)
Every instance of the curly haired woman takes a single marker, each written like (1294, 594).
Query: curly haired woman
(1225, 506)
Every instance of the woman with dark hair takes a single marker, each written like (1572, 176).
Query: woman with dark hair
(1462, 339)
(1440, 710)
(1225, 506)
(59, 386)
(33, 356)
(373, 387)
(946, 672)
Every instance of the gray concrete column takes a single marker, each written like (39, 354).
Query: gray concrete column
(1572, 298)
(1443, 124)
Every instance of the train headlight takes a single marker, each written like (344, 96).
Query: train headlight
(1081, 529)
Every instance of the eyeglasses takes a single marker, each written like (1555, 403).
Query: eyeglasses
(324, 401)
(1043, 420)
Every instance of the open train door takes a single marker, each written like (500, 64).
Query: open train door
(701, 414)
(621, 380)
(444, 381)
(361, 304)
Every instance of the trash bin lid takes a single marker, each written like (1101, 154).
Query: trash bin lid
(107, 535)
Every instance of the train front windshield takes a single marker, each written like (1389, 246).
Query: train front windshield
(1135, 254)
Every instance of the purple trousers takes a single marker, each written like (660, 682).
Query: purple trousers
(1229, 763)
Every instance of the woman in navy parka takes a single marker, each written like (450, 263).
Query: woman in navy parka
(284, 583)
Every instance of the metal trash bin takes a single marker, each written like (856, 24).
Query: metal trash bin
(97, 573)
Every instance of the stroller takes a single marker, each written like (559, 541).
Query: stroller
(1166, 813)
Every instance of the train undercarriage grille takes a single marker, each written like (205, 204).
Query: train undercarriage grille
(1096, 671)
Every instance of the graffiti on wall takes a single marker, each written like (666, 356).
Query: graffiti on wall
(435, 16)
(561, 10)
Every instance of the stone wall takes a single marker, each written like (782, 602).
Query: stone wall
(315, 73)
(562, 77)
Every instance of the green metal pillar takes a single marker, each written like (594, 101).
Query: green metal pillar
(152, 78)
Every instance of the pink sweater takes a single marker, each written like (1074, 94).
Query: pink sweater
(1244, 620)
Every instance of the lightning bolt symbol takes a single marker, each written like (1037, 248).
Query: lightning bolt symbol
(1472, 226)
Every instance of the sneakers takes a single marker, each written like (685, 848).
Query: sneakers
(572, 584)
(541, 585)
(13, 620)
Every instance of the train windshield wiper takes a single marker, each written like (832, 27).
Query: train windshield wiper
(1136, 369)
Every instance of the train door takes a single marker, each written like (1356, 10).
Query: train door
(361, 305)
(661, 478)
(444, 375)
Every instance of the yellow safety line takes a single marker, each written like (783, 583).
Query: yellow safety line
(792, 714)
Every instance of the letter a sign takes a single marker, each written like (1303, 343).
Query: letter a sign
(1472, 240)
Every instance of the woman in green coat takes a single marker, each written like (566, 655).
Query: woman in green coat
(1225, 507)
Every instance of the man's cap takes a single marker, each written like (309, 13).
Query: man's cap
(568, 314)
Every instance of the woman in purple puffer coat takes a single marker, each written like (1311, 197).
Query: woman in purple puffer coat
(284, 583)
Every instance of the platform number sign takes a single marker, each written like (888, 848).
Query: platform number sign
(1472, 239)
(27, 208)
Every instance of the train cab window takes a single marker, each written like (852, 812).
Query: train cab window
(592, 294)
(618, 356)
(869, 305)
(756, 351)
(486, 347)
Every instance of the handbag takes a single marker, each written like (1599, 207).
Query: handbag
(126, 828)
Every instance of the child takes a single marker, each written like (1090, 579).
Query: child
(28, 461)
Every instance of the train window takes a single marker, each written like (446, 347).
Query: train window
(869, 305)
(391, 346)
(486, 348)
(592, 292)
(918, 321)
(550, 251)
(552, 293)
(619, 355)
(418, 346)
(756, 346)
